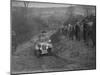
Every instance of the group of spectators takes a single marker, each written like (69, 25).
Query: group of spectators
(82, 30)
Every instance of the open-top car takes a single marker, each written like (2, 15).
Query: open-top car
(43, 46)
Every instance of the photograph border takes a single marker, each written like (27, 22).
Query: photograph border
(47, 3)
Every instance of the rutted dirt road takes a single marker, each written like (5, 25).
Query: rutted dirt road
(71, 55)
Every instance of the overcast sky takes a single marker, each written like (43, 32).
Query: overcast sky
(39, 5)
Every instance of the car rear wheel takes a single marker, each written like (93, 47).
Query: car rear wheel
(37, 53)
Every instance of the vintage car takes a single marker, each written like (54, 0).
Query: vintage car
(43, 46)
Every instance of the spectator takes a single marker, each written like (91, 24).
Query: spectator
(85, 28)
(77, 31)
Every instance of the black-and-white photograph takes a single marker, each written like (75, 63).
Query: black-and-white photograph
(52, 37)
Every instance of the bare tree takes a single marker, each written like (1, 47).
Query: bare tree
(26, 3)
(70, 10)
(88, 10)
